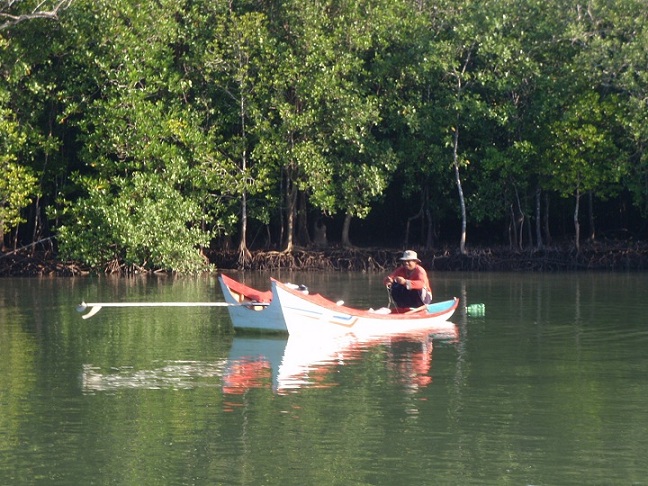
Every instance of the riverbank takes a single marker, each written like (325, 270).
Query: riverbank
(607, 256)
(597, 256)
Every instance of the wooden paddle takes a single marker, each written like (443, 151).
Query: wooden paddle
(97, 306)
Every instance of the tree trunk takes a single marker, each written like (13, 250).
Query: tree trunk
(303, 237)
(429, 240)
(576, 222)
(320, 239)
(291, 205)
(244, 254)
(538, 207)
(512, 229)
(545, 220)
(346, 242)
(520, 218)
(529, 233)
(282, 213)
(15, 237)
(409, 224)
(462, 202)
(592, 229)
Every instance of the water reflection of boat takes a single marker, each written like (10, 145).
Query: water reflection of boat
(298, 362)
(307, 361)
(253, 362)
(277, 363)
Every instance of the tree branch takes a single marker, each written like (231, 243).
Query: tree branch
(9, 19)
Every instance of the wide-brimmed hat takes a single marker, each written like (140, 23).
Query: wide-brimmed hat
(409, 255)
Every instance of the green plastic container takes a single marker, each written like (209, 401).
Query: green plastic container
(476, 310)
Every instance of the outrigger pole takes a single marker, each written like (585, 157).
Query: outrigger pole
(96, 306)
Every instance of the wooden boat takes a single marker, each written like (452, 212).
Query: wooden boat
(263, 312)
(270, 311)
(288, 308)
(308, 314)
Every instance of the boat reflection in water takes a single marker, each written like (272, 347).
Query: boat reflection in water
(309, 362)
(277, 363)
(253, 362)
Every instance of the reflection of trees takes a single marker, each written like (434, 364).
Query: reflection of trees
(17, 372)
(175, 375)
(548, 383)
(549, 377)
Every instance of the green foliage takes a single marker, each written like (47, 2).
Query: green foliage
(227, 111)
(153, 177)
(328, 113)
(17, 188)
(614, 38)
(585, 157)
(18, 185)
(143, 221)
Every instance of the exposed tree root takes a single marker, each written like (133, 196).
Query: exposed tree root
(610, 256)
(21, 264)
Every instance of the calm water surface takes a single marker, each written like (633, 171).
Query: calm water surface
(548, 388)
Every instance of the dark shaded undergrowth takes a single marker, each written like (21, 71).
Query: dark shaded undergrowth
(608, 256)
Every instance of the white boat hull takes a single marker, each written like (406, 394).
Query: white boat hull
(312, 314)
(268, 318)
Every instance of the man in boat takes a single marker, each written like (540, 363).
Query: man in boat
(409, 284)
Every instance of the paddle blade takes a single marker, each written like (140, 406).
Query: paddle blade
(93, 311)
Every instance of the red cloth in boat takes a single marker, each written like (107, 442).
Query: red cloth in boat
(249, 292)
(417, 277)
